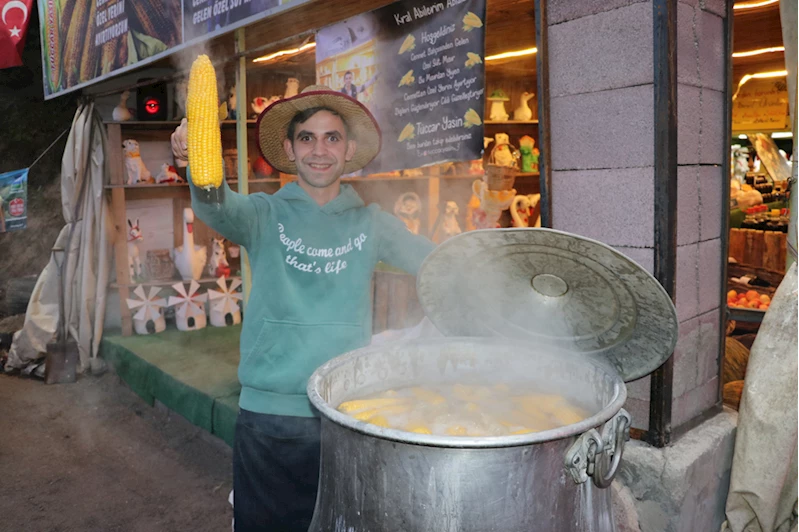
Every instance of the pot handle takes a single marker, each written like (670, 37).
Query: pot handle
(599, 456)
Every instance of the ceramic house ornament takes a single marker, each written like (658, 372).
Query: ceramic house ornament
(225, 309)
(149, 318)
(189, 307)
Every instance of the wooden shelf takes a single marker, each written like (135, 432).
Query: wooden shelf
(204, 280)
(510, 122)
(528, 174)
(185, 185)
(167, 124)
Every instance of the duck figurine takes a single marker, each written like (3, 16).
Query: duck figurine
(188, 258)
(523, 113)
(121, 112)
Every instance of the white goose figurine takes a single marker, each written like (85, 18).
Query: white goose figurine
(189, 259)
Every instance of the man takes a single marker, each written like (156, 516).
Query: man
(354, 90)
(313, 247)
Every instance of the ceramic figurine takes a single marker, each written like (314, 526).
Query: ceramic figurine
(180, 150)
(134, 262)
(168, 174)
(225, 308)
(486, 206)
(149, 319)
(530, 154)
(190, 307)
(292, 87)
(502, 153)
(449, 226)
(231, 103)
(121, 112)
(498, 99)
(523, 112)
(188, 258)
(741, 163)
(137, 172)
(181, 92)
(522, 208)
(408, 208)
(218, 265)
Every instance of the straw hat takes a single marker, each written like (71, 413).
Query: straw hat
(274, 121)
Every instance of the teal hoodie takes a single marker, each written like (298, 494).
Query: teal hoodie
(311, 290)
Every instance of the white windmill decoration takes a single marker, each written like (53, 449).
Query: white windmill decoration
(225, 309)
(190, 307)
(149, 318)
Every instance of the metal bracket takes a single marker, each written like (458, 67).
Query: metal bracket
(599, 456)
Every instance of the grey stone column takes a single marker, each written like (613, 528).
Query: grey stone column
(602, 134)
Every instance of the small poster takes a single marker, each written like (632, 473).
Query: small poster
(13, 200)
(418, 67)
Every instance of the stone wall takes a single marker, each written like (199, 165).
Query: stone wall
(601, 84)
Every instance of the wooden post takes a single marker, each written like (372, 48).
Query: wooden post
(241, 153)
(119, 212)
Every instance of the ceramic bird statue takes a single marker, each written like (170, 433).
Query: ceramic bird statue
(523, 112)
(188, 258)
(121, 112)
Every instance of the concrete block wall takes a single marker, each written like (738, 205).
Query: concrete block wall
(602, 157)
(700, 181)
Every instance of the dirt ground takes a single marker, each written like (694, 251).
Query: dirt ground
(92, 456)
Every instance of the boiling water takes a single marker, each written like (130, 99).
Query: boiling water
(465, 410)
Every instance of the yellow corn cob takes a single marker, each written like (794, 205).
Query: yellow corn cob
(407, 133)
(380, 421)
(368, 404)
(428, 396)
(418, 429)
(204, 139)
(408, 44)
(407, 79)
(471, 21)
(364, 415)
(471, 118)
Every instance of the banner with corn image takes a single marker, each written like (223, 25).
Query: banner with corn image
(83, 40)
(429, 93)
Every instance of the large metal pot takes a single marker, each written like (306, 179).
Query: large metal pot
(378, 479)
(558, 314)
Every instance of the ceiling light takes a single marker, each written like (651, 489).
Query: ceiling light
(782, 135)
(752, 5)
(742, 137)
(284, 53)
(508, 55)
(760, 51)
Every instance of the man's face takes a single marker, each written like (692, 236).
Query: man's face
(320, 149)
(347, 79)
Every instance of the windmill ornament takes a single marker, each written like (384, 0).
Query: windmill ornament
(225, 309)
(190, 307)
(149, 318)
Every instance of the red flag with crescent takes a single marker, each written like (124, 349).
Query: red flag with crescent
(14, 18)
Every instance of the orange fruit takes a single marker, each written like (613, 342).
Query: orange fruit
(751, 295)
(732, 294)
(765, 299)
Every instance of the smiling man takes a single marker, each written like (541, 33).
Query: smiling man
(313, 247)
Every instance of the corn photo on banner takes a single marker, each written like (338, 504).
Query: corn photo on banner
(418, 67)
(13, 200)
(85, 41)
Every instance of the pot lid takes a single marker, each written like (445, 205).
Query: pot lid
(554, 289)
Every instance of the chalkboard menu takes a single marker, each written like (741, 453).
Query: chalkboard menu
(419, 69)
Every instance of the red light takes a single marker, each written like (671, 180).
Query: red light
(152, 105)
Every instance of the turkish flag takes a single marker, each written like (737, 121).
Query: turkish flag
(14, 18)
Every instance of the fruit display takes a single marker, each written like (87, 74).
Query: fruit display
(465, 410)
(748, 300)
